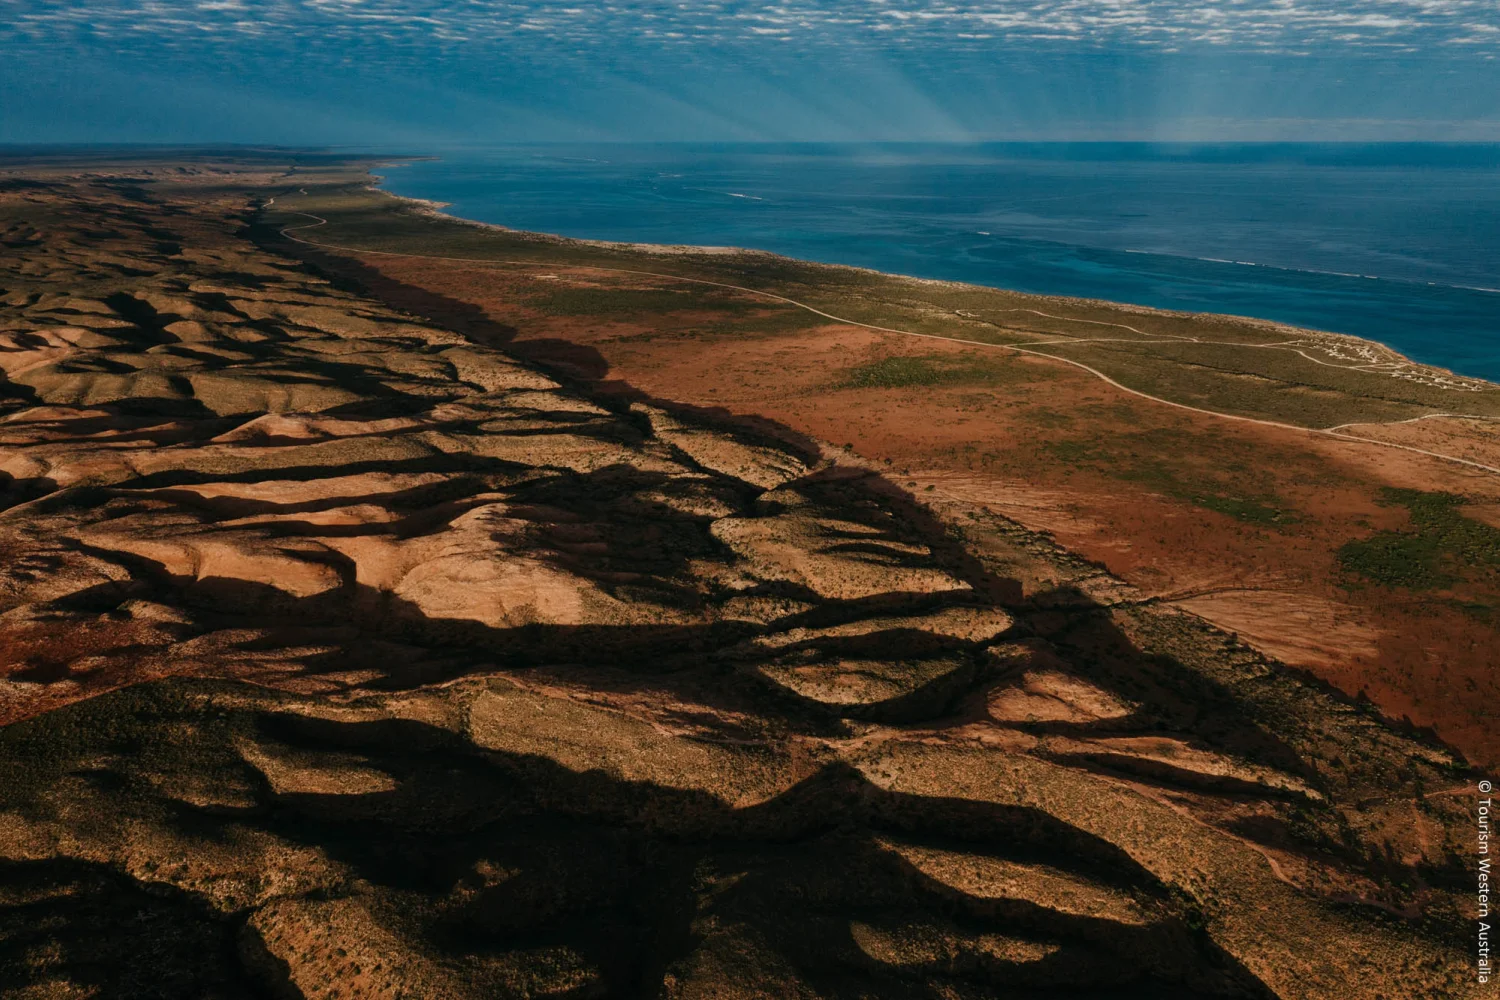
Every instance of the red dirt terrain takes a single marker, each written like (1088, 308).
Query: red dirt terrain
(1146, 490)
(359, 640)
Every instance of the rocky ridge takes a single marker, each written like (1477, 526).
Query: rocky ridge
(344, 654)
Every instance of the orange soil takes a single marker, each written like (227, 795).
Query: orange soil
(1058, 450)
(1473, 439)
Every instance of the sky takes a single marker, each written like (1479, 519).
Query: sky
(425, 73)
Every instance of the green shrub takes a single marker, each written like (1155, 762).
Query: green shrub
(1440, 547)
(903, 371)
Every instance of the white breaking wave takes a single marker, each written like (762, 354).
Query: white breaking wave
(1313, 270)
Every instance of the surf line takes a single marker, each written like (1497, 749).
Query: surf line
(1333, 432)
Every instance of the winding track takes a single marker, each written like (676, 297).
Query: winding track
(1332, 432)
(1277, 870)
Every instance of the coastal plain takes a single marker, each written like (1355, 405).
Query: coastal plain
(1250, 472)
(397, 607)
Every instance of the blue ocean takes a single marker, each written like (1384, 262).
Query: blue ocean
(1394, 243)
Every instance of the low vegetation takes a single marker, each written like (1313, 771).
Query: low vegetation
(1439, 548)
(1220, 363)
(907, 370)
(365, 658)
(1168, 463)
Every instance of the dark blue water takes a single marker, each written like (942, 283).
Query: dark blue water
(1395, 243)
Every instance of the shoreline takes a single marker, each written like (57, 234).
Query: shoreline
(1337, 431)
(437, 210)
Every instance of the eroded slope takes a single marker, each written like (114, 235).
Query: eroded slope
(346, 655)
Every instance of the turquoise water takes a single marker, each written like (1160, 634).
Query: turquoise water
(1395, 243)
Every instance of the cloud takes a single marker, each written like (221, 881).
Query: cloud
(402, 30)
(502, 70)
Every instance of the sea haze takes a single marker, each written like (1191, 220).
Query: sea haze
(1395, 243)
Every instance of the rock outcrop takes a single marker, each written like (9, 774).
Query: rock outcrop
(346, 655)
